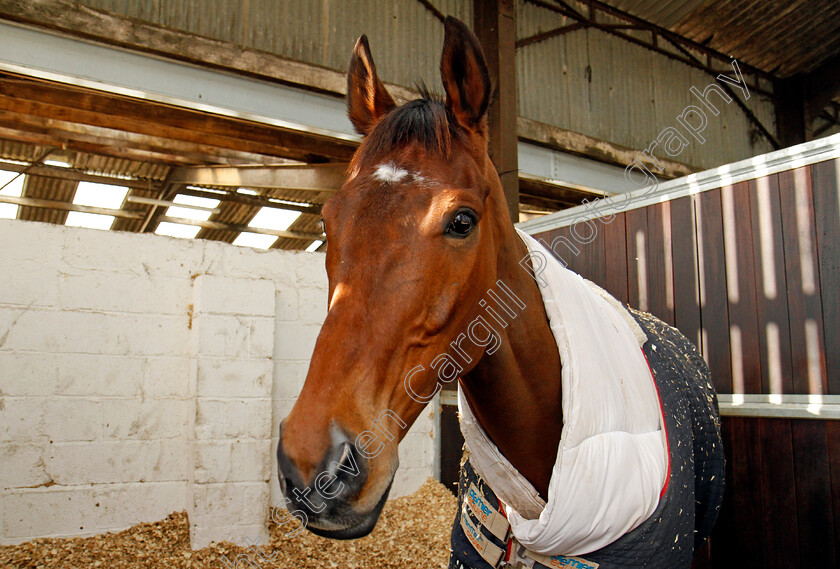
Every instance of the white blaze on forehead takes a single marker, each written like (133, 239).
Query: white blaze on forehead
(389, 172)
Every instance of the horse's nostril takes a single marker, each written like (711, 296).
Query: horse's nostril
(346, 456)
(346, 463)
(286, 483)
(332, 486)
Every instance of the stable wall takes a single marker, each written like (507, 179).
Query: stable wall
(141, 375)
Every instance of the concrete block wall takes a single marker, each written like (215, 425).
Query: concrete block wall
(233, 325)
(141, 375)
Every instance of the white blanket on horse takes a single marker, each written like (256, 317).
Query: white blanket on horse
(612, 460)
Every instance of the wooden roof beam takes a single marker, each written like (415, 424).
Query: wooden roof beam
(495, 27)
(256, 201)
(43, 103)
(307, 236)
(569, 141)
(67, 206)
(821, 86)
(319, 177)
(802, 99)
(60, 173)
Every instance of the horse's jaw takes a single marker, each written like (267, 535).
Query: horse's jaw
(352, 525)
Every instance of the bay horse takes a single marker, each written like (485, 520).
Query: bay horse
(418, 236)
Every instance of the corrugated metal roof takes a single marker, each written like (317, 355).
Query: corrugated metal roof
(50, 189)
(793, 35)
(784, 37)
(111, 166)
(13, 150)
(781, 36)
(299, 196)
(231, 213)
(306, 222)
(322, 33)
(586, 81)
(664, 13)
(90, 163)
(614, 90)
(134, 225)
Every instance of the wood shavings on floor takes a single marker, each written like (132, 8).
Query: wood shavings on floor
(412, 531)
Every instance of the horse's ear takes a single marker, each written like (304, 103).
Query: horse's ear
(465, 76)
(367, 99)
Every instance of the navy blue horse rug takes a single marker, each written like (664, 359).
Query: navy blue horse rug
(689, 503)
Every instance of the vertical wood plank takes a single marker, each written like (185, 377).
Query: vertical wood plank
(592, 263)
(637, 271)
(803, 282)
(833, 435)
(684, 255)
(586, 259)
(740, 284)
(714, 310)
(494, 25)
(564, 247)
(724, 543)
(813, 494)
(779, 495)
(615, 258)
(659, 263)
(826, 190)
(771, 287)
(748, 487)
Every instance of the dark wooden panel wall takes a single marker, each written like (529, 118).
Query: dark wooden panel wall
(751, 274)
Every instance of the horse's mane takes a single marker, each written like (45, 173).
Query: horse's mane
(426, 121)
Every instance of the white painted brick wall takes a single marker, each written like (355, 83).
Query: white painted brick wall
(141, 375)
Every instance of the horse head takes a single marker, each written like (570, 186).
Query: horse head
(417, 235)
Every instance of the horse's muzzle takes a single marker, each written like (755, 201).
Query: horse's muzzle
(326, 500)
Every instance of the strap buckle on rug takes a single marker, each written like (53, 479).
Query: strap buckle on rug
(520, 557)
(514, 554)
(476, 506)
(489, 517)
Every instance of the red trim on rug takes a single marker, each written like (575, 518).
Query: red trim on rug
(664, 427)
(509, 544)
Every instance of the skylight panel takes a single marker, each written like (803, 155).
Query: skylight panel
(100, 195)
(58, 163)
(13, 161)
(89, 220)
(189, 213)
(255, 240)
(8, 211)
(273, 218)
(14, 189)
(247, 192)
(209, 190)
(208, 203)
(314, 246)
(14, 181)
(177, 230)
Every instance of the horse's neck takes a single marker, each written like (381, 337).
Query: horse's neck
(515, 393)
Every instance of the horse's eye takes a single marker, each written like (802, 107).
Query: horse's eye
(461, 225)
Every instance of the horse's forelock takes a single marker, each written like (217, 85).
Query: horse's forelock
(424, 121)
